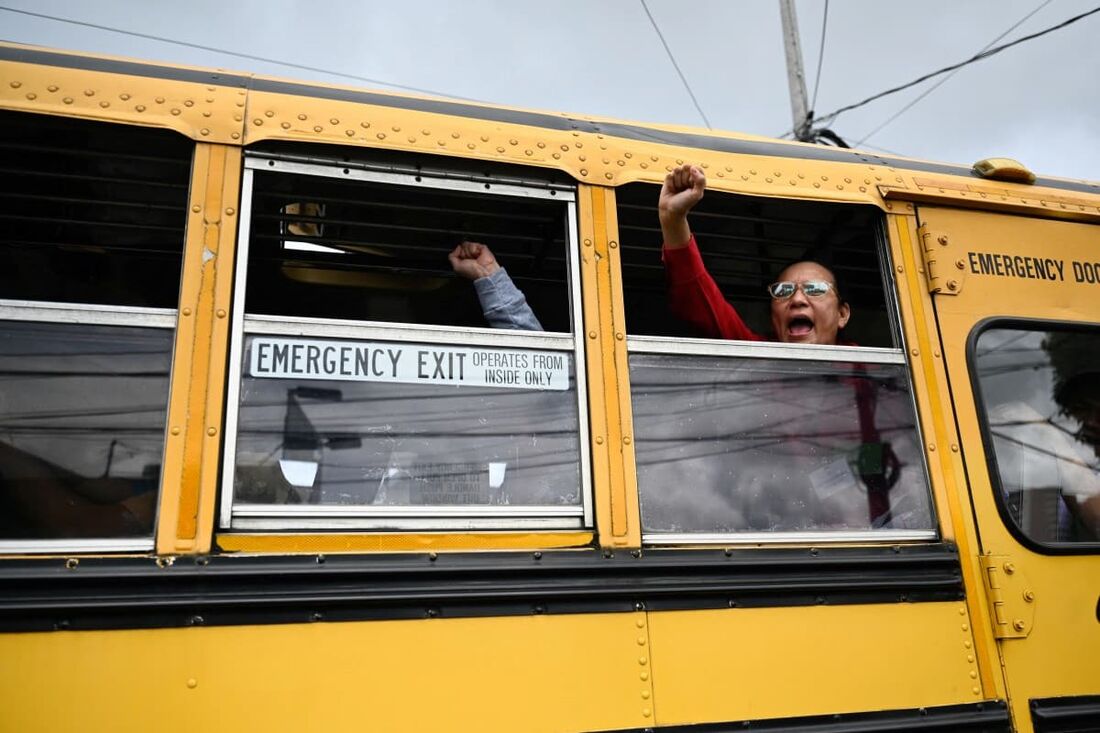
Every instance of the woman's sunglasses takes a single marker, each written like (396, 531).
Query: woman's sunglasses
(812, 288)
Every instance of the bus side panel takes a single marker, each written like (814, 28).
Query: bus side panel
(533, 673)
(1046, 596)
(749, 664)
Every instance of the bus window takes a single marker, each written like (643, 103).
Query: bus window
(371, 392)
(371, 244)
(760, 440)
(90, 259)
(1039, 389)
(93, 213)
(746, 242)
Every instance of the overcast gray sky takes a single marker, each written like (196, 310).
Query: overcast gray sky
(1037, 102)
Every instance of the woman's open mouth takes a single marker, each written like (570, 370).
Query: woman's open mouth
(800, 327)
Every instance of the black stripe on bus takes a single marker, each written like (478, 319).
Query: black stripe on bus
(110, 593)
(519, 117)
(982, 717)
(114, 66)
(1066, 714)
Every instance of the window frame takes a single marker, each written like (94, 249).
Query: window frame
(306, 518)
(722, 348)
(95, 315)
(1036, 325)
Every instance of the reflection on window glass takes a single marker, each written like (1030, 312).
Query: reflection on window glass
(729, 445)
(398, 424)
(1041, 394)
(82, 415)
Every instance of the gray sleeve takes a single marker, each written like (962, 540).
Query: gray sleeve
(503, 304)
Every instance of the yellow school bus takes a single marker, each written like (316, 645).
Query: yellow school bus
(265, 465)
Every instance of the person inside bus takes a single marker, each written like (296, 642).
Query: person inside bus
(806, 307)
(1076, 391)
(502, 303)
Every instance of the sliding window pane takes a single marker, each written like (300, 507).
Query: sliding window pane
(377, 424)
(727, 445)
(82, 416)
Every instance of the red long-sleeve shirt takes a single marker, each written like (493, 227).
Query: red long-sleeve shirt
(694, 296)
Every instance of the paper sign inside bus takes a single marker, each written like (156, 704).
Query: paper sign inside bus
(361, 361)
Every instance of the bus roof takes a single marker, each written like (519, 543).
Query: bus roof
(242, 109)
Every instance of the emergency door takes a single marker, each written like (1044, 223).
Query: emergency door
(1012, 296)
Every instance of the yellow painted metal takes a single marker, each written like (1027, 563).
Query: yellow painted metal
(1061, 654)
(776, 662)
(628, 504)
(205, 112)
(933, 407)
(534, 673)
(616, 499)
(597, 390)
(590, 157)
(1014, 198)
(409, 542)
(935, 412)
(615, 531)
(189, 481)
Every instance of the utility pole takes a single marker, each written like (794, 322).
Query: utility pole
(796, 79)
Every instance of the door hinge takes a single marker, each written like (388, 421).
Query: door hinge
(1011, 599)
(944, 271)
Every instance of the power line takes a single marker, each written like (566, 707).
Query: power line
(237, 54)
(676, 66)
(938, 84)
(821, 53)
(977, 57)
